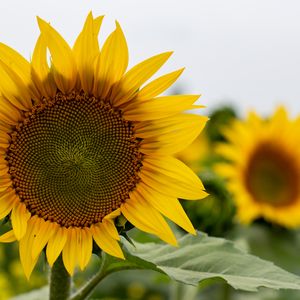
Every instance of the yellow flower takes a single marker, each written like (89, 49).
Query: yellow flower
(84, 141)
(263, 168)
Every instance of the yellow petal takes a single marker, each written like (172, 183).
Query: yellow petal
(19, 218)
(40, 71)
(4, 139)
(5, 182)
(160, 107)
(13, 88)
(8, 237)
(112, 62)
(226, 170)
(4, 170)
(170, 135)
(20, 66)
(70, 253)
(86, 247)
(56, 244)
(135, 77)
(279, 121)
(172, 177)
(5, 128)
(8, 199)
(105, 241)
(85, 50)
(142, 215)
(46, 230)
(3, 161)
(64, 67)
(97, 24)
(114, 214)
(280, 115)
(168, 206)
(229, 152)
(159, 85)
(254, 119)
(110, 227)
(25, 247)
(8, 112)
(153, 128)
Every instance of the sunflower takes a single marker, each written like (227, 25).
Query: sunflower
(263, 168)
(84, 141)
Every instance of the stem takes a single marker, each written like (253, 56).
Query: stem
(60, 281)
(104, 271)
(86, 290)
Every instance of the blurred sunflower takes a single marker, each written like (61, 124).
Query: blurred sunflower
(82, 143)
(200, 155)
(263, 168)
(195, 153)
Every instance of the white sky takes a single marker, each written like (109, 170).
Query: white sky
(244, 51)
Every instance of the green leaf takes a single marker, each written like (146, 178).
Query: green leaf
(201, 257)
(277, 244)
(274, 243)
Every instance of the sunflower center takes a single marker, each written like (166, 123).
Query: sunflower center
(74, 159)
(272, 177)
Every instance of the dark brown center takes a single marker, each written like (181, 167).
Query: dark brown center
(74, 159)
(272, 176)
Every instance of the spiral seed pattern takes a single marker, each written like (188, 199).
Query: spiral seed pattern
(74, 159)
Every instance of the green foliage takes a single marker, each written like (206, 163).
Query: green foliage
(202, 257)
(274, 243)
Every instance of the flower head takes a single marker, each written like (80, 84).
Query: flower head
(84, 141)
(263, 168)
